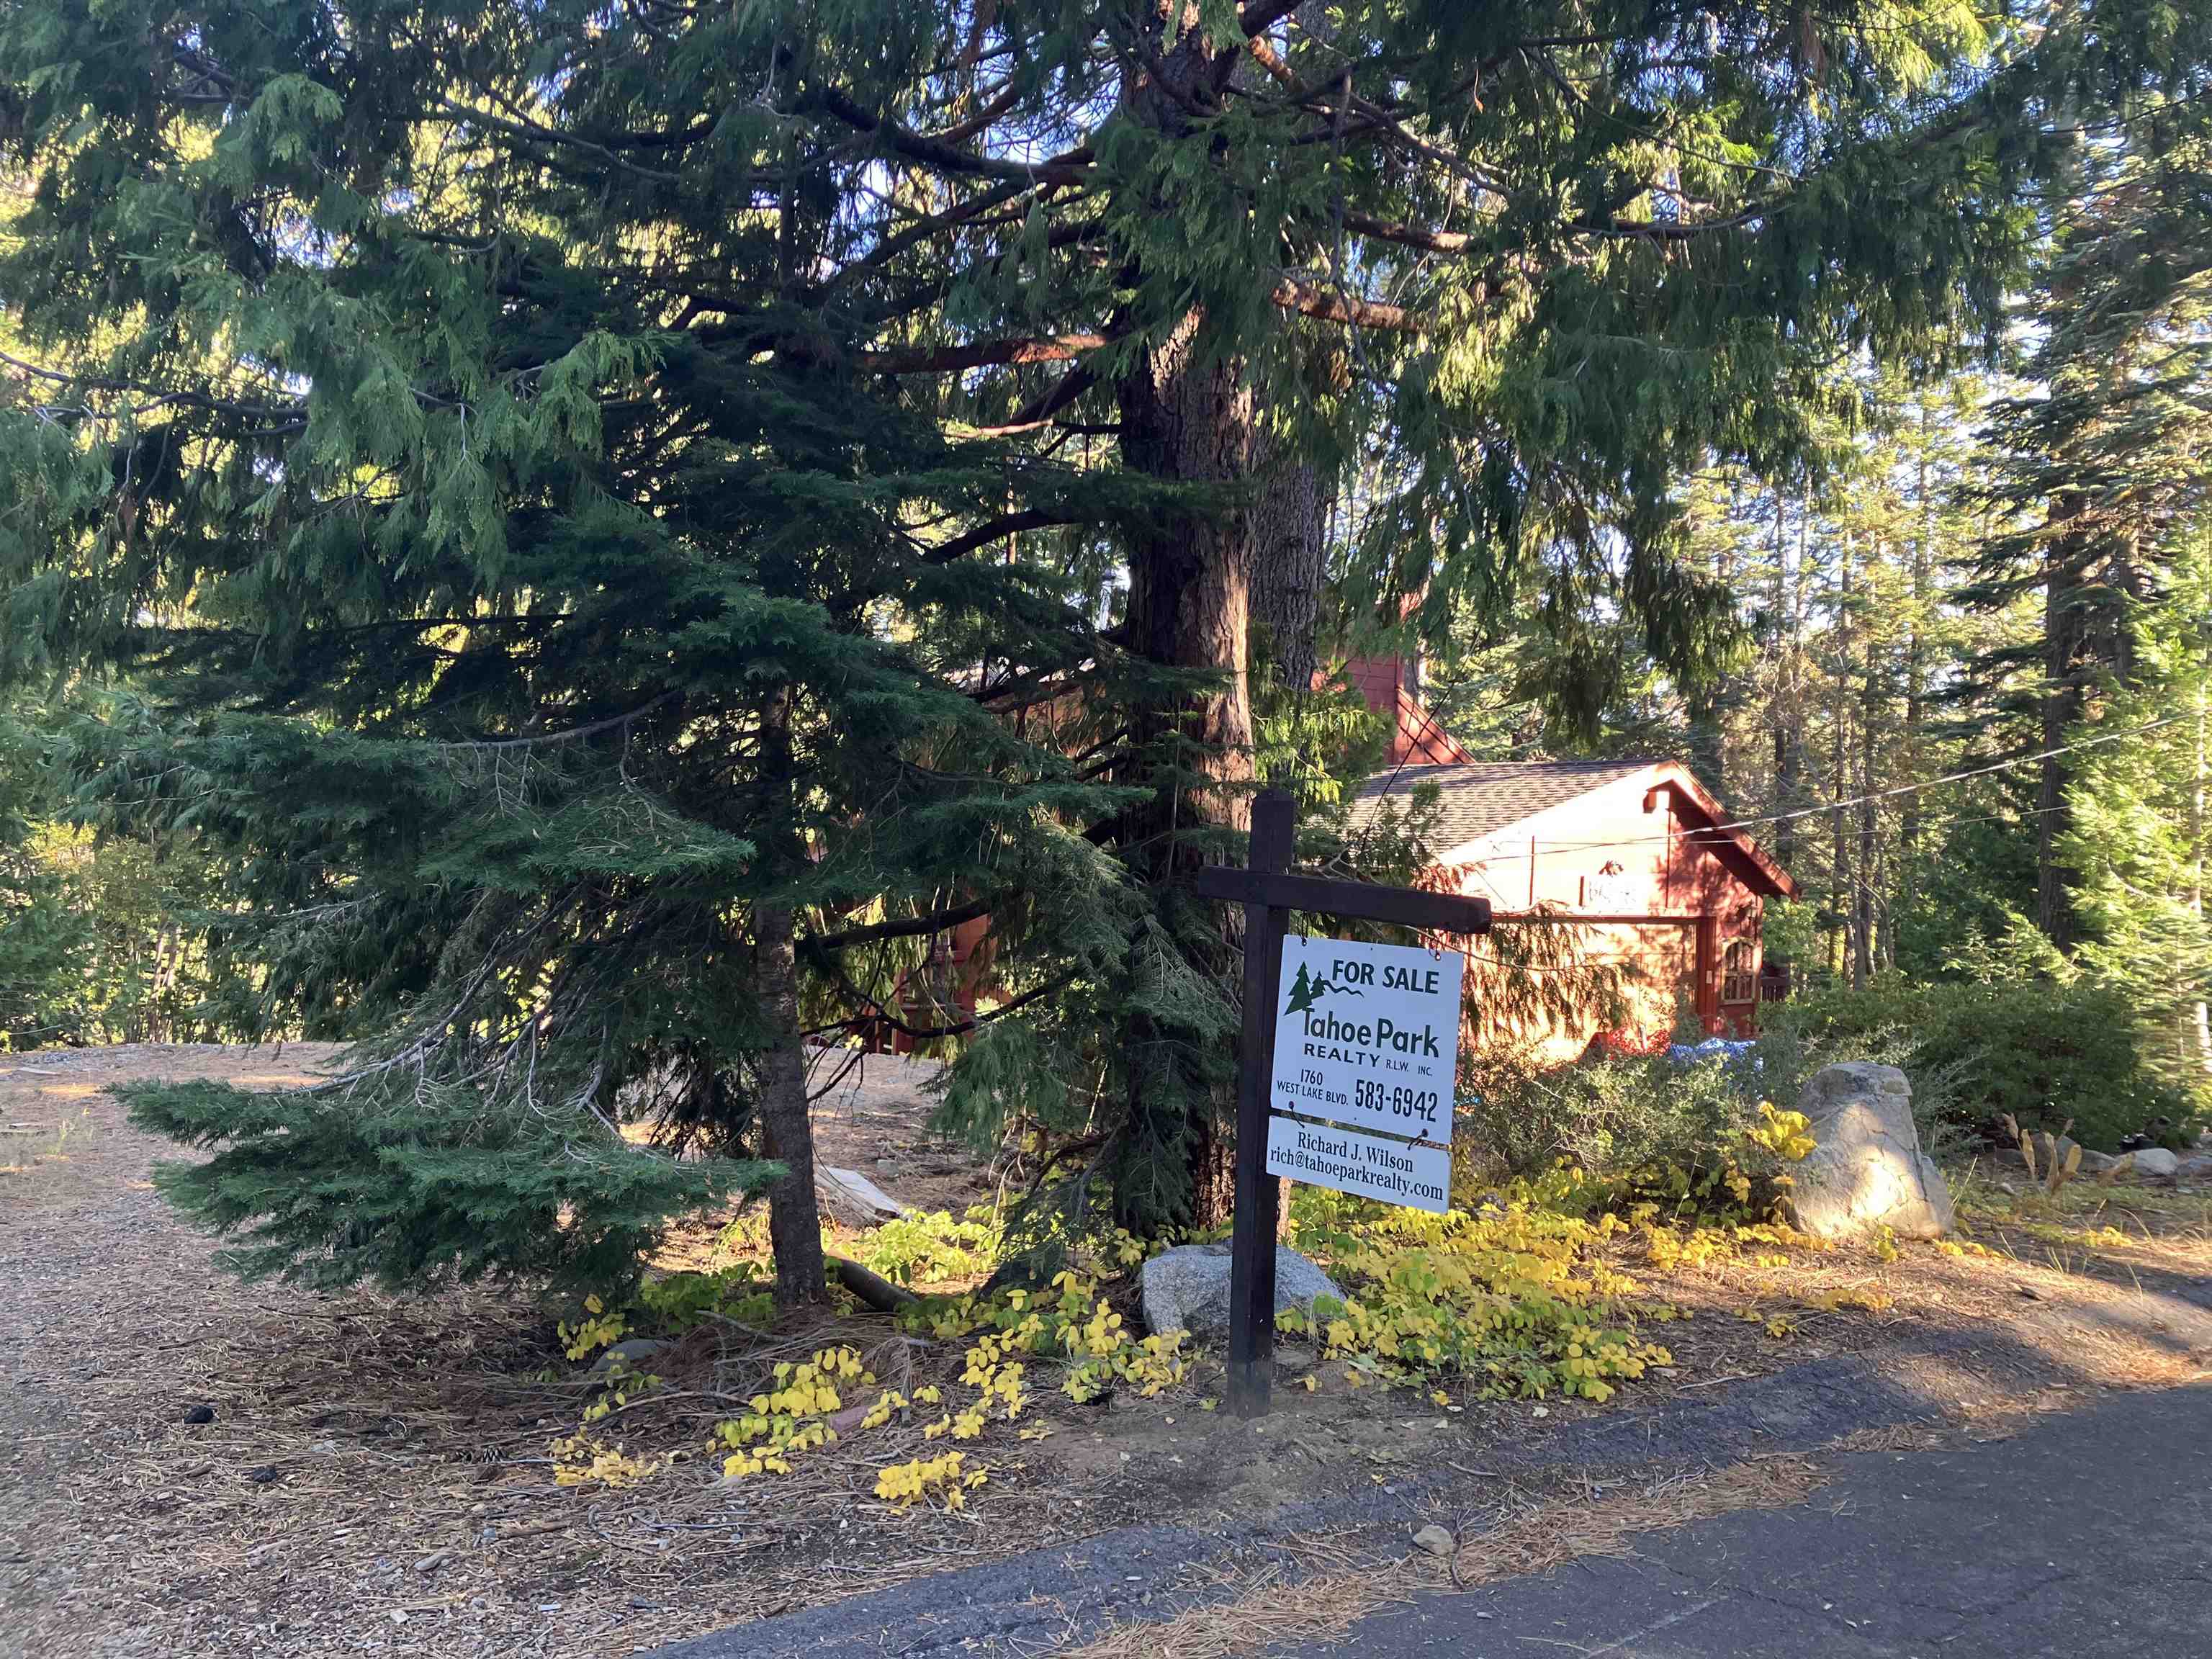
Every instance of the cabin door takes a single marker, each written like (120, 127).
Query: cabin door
(1708, 973)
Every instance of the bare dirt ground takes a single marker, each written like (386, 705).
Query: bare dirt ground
(375, 1476)
(376, 1479)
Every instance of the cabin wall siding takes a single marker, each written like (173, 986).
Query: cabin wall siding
(1622, 850)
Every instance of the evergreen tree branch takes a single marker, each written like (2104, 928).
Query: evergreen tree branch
(933, 922)
(982, 353)
(984, 535)
(1292, 294)
(1071, 166)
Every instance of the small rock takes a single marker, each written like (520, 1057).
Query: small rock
(200, 1414)
(2156, 1161)
(263, 1475)
(633, 1351)
(1435, 1539)
(433, 1561)
(1187, 1289)
(325, 1447)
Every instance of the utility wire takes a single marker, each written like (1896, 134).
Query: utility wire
(1859, 801)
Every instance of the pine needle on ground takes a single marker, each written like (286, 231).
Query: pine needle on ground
(1325, 1593)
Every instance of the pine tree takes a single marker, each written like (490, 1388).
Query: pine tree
(2103, 466)
(569, 646)
(680, 398)
(2138, 835)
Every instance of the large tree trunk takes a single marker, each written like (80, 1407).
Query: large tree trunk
(1188, 421)
(1916, 672)
(1787, 716)
(1289, 521)
(1187, 417)
(1189, 600)
(1839, 877)
(1862, 900)
(2201, 1031)
(794, 1215)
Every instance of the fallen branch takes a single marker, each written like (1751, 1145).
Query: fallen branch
(871, 1287)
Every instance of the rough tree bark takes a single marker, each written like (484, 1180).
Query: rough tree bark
(1839, 879)
(2202, 1026)
(1788, 732)
(794, 1212)
(1863, 910)
(1290, 514)
(1290, 519)
(1916, 674)
(1187, 416)
(795, 1216)
(1189, 608)
(1189, 600)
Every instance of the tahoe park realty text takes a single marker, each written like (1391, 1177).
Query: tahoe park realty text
(1371, 1045)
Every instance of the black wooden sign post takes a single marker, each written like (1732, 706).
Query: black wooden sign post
(1269, 893)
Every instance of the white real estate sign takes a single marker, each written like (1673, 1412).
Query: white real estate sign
(1367, 1038)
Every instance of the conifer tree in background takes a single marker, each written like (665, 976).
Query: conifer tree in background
(2104, 468)
(42, 941)
(2138, 837)
(1552, 256)
(2120, 554)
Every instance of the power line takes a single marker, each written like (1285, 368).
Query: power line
(1861, 801)
(1957, 777)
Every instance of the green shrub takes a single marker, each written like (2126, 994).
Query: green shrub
(677, 1301)
(1610, 1113)
(1883, 1023)
(2044, 1051)
(2047, 1053)
(1690, 1139)
(930, 1248)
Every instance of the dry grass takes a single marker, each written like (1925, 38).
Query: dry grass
(1315, 1589)
(1551, 1533)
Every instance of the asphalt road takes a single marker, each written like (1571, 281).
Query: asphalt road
(2088, 1535)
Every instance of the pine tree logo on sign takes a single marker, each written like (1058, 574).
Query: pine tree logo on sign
(1307, 991)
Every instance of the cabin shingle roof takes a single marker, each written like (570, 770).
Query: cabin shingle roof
(1478, 797)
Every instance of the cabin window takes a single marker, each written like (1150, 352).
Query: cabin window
(1739, 981)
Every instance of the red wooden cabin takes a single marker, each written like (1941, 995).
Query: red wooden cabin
(1634, 855)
